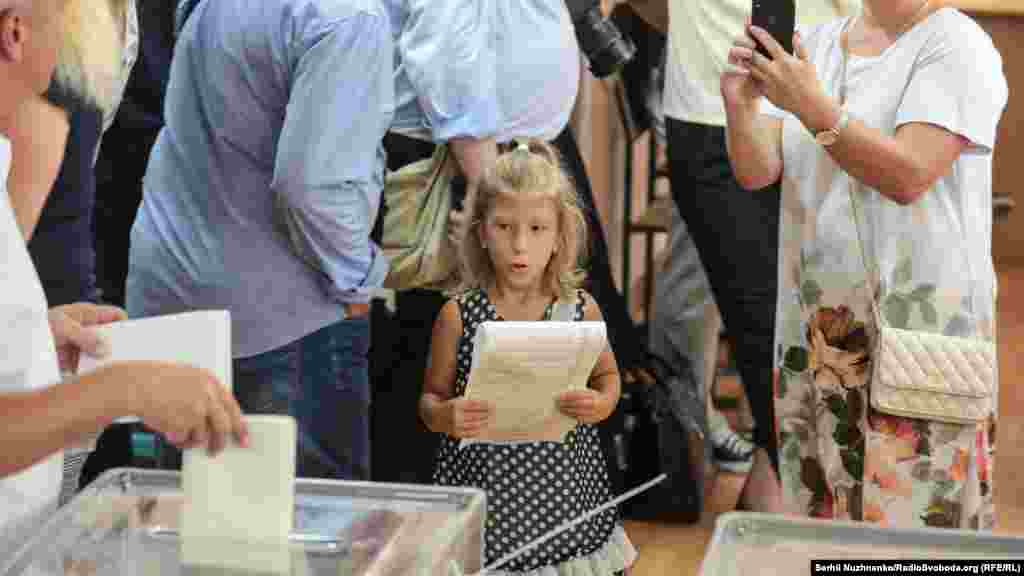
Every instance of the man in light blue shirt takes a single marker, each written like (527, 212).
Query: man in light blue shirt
(471, 73)
(259, 198)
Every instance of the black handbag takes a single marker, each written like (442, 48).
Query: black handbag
(656, 429)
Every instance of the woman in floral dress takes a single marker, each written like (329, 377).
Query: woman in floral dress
(889, 116)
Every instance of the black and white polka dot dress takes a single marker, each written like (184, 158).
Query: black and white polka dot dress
(535, 487)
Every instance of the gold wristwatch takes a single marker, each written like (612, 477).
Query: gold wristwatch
(829, 137)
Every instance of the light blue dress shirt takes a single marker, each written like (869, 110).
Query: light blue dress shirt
(502, 68)
(262, 189)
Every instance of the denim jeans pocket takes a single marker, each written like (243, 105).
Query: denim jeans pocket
(268, 383)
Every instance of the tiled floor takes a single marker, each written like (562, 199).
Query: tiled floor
(677, 550)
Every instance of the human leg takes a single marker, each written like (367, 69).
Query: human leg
(322, 381)
(736, 234)
(335, 398)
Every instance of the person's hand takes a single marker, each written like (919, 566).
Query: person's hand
(739, 89)
(465, 418)
(70, 325)
(188, 405)
(474, 156)
(789, 81)
(587, 406)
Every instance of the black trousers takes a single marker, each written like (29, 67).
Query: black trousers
(403, 448)
(736, 233)
(117, 201)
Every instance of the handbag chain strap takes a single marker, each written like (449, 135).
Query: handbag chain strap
(875, 292)
(854, 203)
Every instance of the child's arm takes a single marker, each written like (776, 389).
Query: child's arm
(604, 386)
(456, 417)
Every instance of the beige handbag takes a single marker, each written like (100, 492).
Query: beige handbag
(415, 227)
(928, 375)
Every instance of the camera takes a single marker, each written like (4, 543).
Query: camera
(605, 47)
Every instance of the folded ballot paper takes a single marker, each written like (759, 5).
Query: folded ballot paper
(522, 368)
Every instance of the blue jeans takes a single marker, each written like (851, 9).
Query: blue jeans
(322, 380)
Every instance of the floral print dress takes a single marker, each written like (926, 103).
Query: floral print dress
(929, 268)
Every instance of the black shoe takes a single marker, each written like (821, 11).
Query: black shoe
(732, 452)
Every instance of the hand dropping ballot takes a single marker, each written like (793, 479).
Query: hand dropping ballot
(201, 339)
(238, 506)
(523, 367)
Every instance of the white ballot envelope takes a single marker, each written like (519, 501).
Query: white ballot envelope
(522, 368)
(239, 505)
(201, 339)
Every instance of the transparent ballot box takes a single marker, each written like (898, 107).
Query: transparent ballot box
(127, 522)
(768, 545)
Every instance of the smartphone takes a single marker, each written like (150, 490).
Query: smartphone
(778, 17)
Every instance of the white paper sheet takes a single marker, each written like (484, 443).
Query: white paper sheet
(242, 499)
(201, 339)
(522, 368)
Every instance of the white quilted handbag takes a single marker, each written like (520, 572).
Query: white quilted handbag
(929, 375)
(933, 376)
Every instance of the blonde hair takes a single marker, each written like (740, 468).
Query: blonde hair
(533, 168)
(89, 60)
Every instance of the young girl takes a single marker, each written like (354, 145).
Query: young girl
(519, 258)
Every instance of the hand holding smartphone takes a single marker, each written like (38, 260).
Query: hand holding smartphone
(778, 17)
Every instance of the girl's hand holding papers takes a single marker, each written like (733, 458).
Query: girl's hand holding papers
(464, 418)
(587, 406)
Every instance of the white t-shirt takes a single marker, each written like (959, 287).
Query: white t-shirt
(700, 36)
(944, 71)
(28, 360)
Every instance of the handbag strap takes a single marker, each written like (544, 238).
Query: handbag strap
(855, 205)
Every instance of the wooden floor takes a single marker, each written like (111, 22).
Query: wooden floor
(677, 550)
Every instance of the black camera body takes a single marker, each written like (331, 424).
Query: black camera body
(606, 49)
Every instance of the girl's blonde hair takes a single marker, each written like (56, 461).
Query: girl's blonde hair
(531, 168)
(89, 60)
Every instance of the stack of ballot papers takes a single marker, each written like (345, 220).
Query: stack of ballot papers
(238, 506)
(522, 368)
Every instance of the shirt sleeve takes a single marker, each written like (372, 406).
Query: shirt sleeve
(445, 48)
(957, 83)
(328, 172)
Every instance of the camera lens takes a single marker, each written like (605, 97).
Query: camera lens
(604, 46)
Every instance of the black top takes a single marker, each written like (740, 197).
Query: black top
(62, 243)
